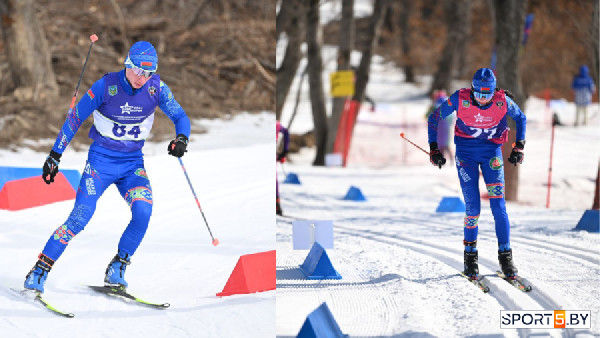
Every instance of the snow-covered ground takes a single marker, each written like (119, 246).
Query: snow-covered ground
(399, 259)
(231, 168)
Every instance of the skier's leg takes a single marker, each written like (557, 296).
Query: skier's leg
(493, 175)
(93, 183)
(135, 188)
(468, 175)
(137, 192)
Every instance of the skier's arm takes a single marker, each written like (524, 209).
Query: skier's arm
(444, 110)
(91, 100)
(521, 120)
(173, 110)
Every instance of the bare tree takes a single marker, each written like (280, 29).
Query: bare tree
(346, 45)
(291, 60)
(315, 69)
(287, 13)
(509, 20)
(27, 51)
(405, 42)
(595, 42)
(464, 31)
(372, 34)
(455, 30)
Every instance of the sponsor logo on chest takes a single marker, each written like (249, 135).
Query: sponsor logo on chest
(127, 109)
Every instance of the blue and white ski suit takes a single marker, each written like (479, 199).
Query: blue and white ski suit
(123, 117)
(479, 133)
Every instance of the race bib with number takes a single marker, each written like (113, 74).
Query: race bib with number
(486, 124)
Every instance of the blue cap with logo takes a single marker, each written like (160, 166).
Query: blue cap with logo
(142, 55)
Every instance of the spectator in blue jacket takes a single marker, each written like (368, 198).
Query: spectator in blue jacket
(583, 86)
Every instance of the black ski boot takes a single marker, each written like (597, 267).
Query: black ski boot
(471, 256)
(506, 264)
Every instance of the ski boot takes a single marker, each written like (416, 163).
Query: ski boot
(471, 256)
(115, 272)
(506, 261)
(278, 208)
(36, 278)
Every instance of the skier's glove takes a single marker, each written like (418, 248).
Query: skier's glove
(517, 155)
(177, 147)
(281, 156)
(435, 156)
(50, 168)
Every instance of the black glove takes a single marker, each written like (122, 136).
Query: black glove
(50, 168)
(516, 155)
(281, 156)
(435, 156)
(177, 147)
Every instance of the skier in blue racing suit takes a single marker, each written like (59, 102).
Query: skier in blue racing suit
(123, 105)
(480, 131)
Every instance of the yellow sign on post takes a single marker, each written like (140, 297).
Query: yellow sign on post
(342, 83)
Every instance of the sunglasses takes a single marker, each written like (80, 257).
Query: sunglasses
(137, 70)
(483, 96)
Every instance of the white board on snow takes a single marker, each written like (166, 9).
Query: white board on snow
(306, 233)
(333, 160)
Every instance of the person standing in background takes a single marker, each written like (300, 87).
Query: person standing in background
(583, 87)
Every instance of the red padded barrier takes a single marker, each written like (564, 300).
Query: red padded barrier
(252, 273)
(33, 192)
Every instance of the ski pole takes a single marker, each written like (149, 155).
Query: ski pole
(423, 150)
(282, 168)
(94, 38)
(215, 241)
(409, 141)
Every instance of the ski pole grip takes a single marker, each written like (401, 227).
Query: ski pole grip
(94, 38)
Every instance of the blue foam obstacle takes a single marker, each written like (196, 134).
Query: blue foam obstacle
(451, 204)
(320, 324)
(292, 178)
(8, 174)
(590, 221)
(317, 264)
(354, 194)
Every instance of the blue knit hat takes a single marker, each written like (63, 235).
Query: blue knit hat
(142, 55)
(484, 81)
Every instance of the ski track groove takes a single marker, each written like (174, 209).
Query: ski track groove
(501, 297)
(363, 293)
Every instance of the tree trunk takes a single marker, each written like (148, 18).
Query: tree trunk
(289, 66)
(405, 42)
(346, 45)
(454, 30)
(595, 43)
(288, 12)
(362, 74)
(509, 18)
(462, 48)
(315, 70)
(27, 51)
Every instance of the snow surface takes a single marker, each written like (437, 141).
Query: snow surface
(399, 259)
(231, 168)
